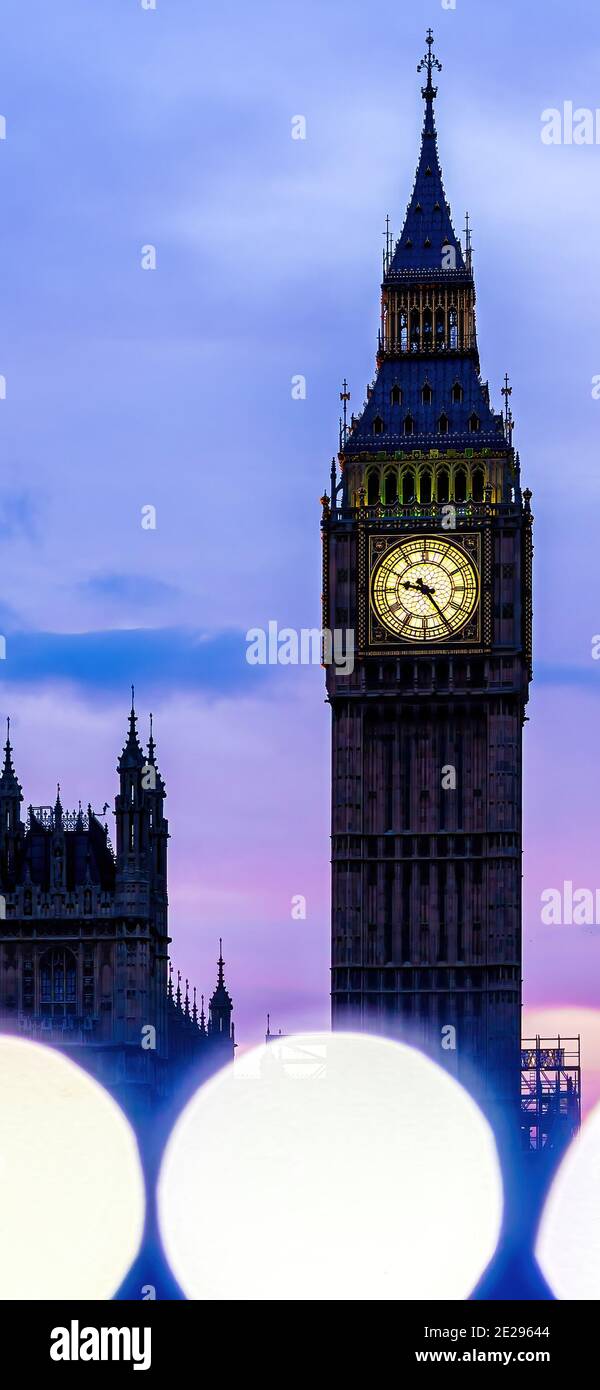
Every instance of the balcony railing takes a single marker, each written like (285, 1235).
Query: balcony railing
(434, 512)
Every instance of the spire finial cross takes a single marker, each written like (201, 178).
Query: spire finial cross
(430, 62)
(345, 397)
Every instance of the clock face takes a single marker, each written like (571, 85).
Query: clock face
(424, 589)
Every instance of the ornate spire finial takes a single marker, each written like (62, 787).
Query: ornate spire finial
(430, 62)
(151, 743)
(508, 415)
(170, 984)
(344, 397)
(468, 246)
(195, 1008)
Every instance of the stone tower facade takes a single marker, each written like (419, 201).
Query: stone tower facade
(427, 559)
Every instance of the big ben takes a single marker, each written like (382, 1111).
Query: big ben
(427, 561)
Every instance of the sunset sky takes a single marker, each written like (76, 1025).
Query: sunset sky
(172, 388)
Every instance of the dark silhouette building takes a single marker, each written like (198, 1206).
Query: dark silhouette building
(84, 943)
(427, 558)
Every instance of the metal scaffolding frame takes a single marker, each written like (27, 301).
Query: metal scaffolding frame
(550, 1091)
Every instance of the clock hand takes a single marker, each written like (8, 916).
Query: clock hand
(427, 593)
(442, 615)
(419, 586)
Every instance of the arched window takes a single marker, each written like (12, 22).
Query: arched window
(403, 332)
(443, 424)
(453, 330)
(474, 423)
(409, 425)
(408, 486)
(425, 487)
(427, 327)
(391, 488)
(478, 484)
(457, 393)
(396, 395)
(443, 486)
(415, 330)
(440, 327)
(427, 394)
(460, 485)
(373, 488)
(58, 983)
(378, 426)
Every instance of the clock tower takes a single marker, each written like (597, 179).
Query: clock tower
(427, 561)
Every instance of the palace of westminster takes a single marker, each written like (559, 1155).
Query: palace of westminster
(84, 943)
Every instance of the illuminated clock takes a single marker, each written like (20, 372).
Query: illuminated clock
(424, 589)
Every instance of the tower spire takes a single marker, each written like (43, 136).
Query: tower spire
(132, 755)
(430, 62)
(8, 779)
(220, 1007)
(10, 787)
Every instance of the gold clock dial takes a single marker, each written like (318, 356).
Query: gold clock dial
(424, 589)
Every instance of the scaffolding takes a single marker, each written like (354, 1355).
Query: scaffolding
(550, 1091)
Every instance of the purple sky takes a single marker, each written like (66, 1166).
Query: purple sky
(127, 127)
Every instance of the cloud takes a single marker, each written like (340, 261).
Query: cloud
(18, 515)
(586, 676)
(141, 589)
(162, 659)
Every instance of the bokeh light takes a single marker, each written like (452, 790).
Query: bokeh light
(568, 1243)
(72, 1209)
(330, 1166)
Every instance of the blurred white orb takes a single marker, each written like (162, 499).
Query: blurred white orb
(568, 1243)
(72, 1206)
(330, 1166)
